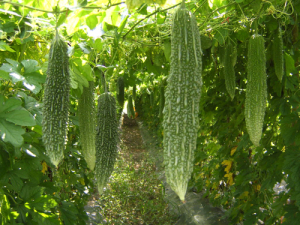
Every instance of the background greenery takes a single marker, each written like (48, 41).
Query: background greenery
(104, 36)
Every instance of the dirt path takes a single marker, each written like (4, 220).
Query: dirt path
(134, 194)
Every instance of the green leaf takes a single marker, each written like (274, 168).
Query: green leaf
(4, 75)
(221, 35)
(98, 44)
(43, 203)
(11, 133)
(242, 35)
(5, 47)
(167, 50)
(92, 21)
(30, 65)
(115, 15)
(68, 212)
(10, 104)
(16, 65)
(289, 64)
(108, 27)
(30, 191)
(16, 182)
(62, 18)
(161, 17)
(122, 25)
(290, 129)
(46, 219)
(20, 117)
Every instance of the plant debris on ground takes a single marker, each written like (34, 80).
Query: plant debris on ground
(134, 194)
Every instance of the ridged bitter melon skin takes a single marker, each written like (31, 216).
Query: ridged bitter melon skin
(182, 98)
(87, 124)
(256, 89)
(130, 110)
(120, 91)
(56, 101)
(106, 139)
(278, 55)
(229, 72)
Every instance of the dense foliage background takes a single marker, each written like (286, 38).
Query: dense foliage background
(107, 37)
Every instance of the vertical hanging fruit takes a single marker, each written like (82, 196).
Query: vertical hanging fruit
(277, 49)
(134, 92)
(56, 101)
(130, 110)
(256, 90)
(182, 98)
(120, 91)
(106, 139)
(229, 72)
(86, 116)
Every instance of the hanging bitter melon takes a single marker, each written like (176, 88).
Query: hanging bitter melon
(56, 101)
(256, 89)
(106, 139)
(229, 72)
(87, 128)
(182, 98)
(120, 91)
(130, 110)
(278, 55)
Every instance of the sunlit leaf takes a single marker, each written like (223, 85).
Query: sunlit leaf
(92, 21)
(11, 133)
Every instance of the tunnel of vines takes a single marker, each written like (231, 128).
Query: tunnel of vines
(216, 82)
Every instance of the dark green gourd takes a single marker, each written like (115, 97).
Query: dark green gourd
(256, 89)
(56, 101)
(106, 139)
(87, 126)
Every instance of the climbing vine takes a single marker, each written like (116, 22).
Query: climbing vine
(108, 40)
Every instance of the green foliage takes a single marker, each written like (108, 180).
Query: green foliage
(182, 97)
(106, 139)
(56, 101)
(232, 172)
(87, 126)
(12, 117)
(256, 94)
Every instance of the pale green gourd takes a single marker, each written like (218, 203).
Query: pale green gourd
(182, 98)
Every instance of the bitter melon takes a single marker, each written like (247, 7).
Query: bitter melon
(256, 89)
(134, 92)
(87, 128)
(130, 110)
(229, 72)
(182, 98)
(278, 55)
(56, 101)
(120, 91)
(106, 139)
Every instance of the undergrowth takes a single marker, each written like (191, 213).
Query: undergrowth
(134, 194)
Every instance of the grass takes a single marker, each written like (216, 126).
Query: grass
(134, 194)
